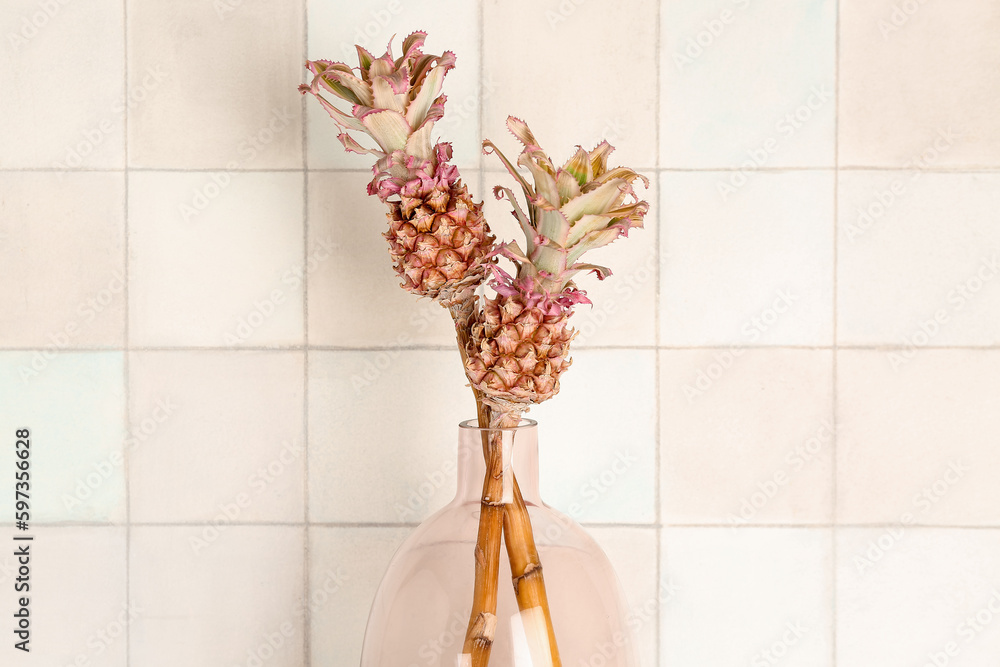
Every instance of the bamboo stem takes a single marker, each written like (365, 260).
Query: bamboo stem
(482, 619)
(526, 566)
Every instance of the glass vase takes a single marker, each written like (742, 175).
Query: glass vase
(421, 611)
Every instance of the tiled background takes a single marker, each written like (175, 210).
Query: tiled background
(800, 351)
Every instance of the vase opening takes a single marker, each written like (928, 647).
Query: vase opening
(520, 454)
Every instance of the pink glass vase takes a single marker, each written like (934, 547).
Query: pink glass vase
(421, 610)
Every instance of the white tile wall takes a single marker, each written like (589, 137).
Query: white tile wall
(70, 287)
(613, 75)
(763, 593)
(239, 415)
(232, 404)
(751, 265)
(919, 260)
(79, 123)
(184, 292)
(918, 596)
(352, 560)
(748, 436)
(917, 73)
(212, 85)
(219, 594)
(747, 84)
(81, 610)
(365, 413)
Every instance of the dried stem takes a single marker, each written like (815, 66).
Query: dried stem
(482, 619)
(526, 566)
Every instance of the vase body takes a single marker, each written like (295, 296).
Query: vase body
(421, 611)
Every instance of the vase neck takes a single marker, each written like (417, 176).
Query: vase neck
(520, 455)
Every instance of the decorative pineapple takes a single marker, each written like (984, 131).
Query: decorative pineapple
(438, 238)
(519, 345)
(516, 346)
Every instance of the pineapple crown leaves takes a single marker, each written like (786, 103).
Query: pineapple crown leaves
(571, 209)
(405, 176)
(395, 101)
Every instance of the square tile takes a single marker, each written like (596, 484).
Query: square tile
(364, 466)
(918, 259)
(747, 84)
(451, 25)
(624, 305)
(756, 268)
(77, 601)
(747, 596)
(216, 259)
(239, 415)
(217, 595)
(354, 293)
(80, 123)
(598, 80)
(350, 563)
(918, 596)
(748, 436)
(917, 444)
(63, 260)
(918, 83)
(632, 552)
(601, 467)
(214, 85)
(73, 404)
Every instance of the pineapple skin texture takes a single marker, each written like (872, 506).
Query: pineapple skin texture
(518, 349)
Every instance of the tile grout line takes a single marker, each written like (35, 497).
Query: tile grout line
(888, 347)
(657, 490)
(836, 338)
(957, 170)
(126, 362)
(306, 556)
(721, 524)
